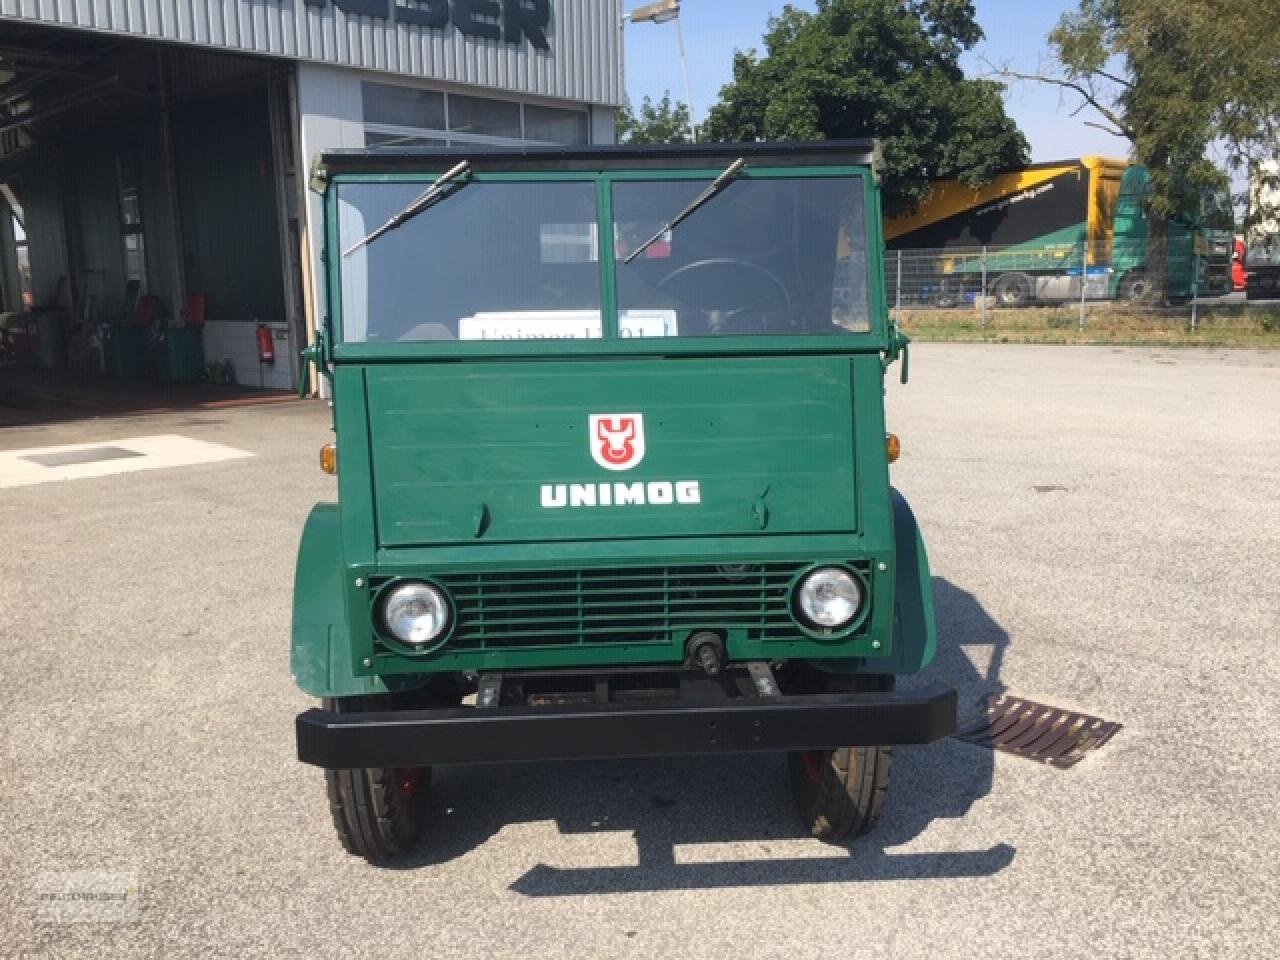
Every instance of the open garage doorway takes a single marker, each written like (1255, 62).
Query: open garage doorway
(148, 224)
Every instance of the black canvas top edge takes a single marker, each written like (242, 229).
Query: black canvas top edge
(415, 159)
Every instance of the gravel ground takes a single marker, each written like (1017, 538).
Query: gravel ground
(1105, 531)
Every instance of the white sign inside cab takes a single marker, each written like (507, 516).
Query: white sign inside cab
(564, 325)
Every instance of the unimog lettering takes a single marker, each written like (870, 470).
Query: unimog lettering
(638, 494)
(456, 606)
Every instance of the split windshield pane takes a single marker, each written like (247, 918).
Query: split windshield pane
(486, 261)
(761, 257)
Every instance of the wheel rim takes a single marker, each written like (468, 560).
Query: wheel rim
(1010, 295)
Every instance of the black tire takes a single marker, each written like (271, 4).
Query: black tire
(840, 793)
(1012, 290)
(1135, 287)
(378, 812)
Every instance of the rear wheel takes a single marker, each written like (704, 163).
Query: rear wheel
(1135, 287)
(1012, 290)
(378, 812)
(839, 793)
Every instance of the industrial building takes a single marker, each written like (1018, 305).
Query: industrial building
(154, 212)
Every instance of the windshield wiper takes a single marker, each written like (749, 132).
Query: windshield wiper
(717, 185)
(426, 199)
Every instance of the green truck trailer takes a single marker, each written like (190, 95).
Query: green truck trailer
(1034, 235)
(612, 476)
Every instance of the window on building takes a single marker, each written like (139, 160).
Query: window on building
(135, 247)
(402, 106)
(490, 118)
(553, 125)
(411, 117)
(570, 243)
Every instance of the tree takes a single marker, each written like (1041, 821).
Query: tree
(876, 68)
(1177, 79)
(1245, 46)
(1139, 65)
(661, 122)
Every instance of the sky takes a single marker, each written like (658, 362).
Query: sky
(1015, 36)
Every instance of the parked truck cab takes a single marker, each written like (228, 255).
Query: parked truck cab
(612, 475)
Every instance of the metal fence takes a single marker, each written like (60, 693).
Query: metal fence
(990, 283)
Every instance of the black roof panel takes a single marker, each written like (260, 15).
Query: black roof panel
(612, 157)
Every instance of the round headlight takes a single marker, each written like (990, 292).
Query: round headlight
(829, 598)
(416, 613)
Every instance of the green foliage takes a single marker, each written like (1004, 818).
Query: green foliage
(876, 68)
(1159, 74)
(662, 122)
(1138, 61)
(1177, 78)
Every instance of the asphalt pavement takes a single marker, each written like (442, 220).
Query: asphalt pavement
(1104, 525)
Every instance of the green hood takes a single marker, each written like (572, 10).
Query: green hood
(512, 452)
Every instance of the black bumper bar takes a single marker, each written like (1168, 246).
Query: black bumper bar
(410, 738)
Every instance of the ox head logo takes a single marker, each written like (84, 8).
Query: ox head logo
(616, 439)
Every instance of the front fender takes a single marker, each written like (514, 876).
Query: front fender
(915, 629)
(321, 650)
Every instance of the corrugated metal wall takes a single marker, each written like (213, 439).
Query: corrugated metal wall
(39, 188)
(94, 209)
(583, 64)
(77, 185)
(226, 189)
(230, 247)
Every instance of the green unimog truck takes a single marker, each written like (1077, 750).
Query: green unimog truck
(613, 475)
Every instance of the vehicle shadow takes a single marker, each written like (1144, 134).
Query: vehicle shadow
(677, 808)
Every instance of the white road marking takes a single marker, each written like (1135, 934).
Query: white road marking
(18, 469)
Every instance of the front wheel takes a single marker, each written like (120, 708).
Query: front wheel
(378, 812)
(839, 793)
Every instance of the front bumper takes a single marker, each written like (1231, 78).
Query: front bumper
(411, 738)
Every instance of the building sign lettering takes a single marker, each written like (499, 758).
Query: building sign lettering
(511, 21)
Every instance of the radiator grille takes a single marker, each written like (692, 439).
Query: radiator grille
(618, 606)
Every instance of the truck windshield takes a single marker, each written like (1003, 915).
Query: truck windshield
(504, 260)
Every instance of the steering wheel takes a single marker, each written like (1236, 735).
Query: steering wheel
(722, 317)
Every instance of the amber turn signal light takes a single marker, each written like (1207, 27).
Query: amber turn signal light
(892, 446)
(329, 458)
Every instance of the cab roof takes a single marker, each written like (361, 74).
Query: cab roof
(865, 153)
